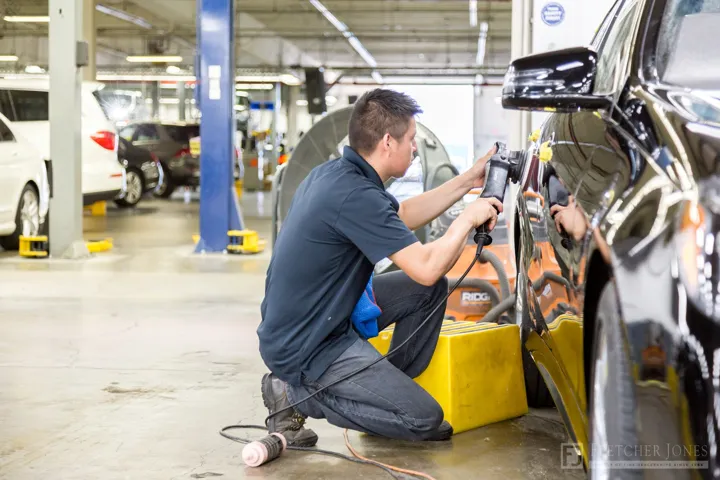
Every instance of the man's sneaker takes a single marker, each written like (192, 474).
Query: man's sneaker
(290, 422)
(443, 433)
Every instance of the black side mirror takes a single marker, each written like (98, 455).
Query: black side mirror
(561, 80)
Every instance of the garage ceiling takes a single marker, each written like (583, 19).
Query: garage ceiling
(426, 36)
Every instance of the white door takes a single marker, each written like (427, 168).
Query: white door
(15, 162)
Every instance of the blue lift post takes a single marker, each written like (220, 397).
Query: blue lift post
(219, 206)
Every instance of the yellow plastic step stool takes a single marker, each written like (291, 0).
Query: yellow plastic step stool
(476, 373)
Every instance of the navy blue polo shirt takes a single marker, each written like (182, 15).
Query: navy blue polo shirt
(341, 222)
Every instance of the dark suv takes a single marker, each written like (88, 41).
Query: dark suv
(171, 143)
(620, 192)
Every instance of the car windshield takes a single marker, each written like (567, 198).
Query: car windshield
(183, 133)
(682, 57)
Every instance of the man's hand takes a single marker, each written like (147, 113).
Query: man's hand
(571, 218)
(476, 173)
(481, 211)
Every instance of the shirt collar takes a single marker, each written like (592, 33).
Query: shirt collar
(353, 157)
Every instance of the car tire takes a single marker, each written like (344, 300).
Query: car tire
(611, 402)
(27, 218)
(166, 188)
(135, 189)
(538, 395)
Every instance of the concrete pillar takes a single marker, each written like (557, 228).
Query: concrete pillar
(66, 206)
(477, 121)
(182, 101)
(277, 105)
(90, 36)
(291, 112)
(155, 96)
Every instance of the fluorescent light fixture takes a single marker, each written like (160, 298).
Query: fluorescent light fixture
(377, 77)
(473, 13)
(109, 77)
(362, 51)
(482, 40)
(342, 28)
(27, 18)
(119, 14)
(330, 100)
(169, 101)
(254, 86)
(330, 17)
(154, 59)
(289, 79)
(173, 69)
(240, 108)
(8, 58)
(242, 93)
(302, 103)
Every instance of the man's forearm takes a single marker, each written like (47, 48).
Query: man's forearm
(446, 251)
(420, 210)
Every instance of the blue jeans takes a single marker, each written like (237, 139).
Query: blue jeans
(384, 400)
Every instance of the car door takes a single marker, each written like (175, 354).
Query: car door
(584, 158)
(15, 163)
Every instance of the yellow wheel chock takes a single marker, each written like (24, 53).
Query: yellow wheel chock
(245, 241)
(97, 246)
(33, 247)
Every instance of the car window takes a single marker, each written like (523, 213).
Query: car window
(5, 133)
(5, 105)
(606, 24)
(146, 133)
(615, 49)
(681, 52)
(30, 106)
(182, 133)
(128, 132)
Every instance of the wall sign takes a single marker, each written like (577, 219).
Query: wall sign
(552, 14)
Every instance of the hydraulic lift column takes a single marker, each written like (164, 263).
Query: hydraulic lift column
(219, 209)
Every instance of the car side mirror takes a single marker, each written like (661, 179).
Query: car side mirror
(561, 80)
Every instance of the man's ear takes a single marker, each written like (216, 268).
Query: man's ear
(387, 138)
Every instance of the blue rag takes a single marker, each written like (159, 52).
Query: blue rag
(364, 316)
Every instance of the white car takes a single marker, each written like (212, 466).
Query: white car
(25, 103)
(24, 187)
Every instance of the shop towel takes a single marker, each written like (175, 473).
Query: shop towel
(365, 315)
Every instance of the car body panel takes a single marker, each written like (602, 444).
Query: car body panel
(645, 174)
(101, 172)
(20, 164)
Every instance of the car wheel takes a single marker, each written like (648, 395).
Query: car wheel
(134, 192)
(612, 421)
(166, 188)
(27, 219)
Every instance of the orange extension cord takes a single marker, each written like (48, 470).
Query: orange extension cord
(396, 469)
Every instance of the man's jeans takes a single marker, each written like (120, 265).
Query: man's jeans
(384, 400)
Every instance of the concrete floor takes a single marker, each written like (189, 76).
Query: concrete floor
(126, 365)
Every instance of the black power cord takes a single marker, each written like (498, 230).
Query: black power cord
(482, 238)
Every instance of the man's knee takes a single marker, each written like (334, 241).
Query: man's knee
(425, 419)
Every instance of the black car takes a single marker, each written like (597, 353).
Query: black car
(142, 171)
(620, 193)
(171, 143)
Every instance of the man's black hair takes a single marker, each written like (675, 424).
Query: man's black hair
(378, 112)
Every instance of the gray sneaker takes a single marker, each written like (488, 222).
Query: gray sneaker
(289, 423)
